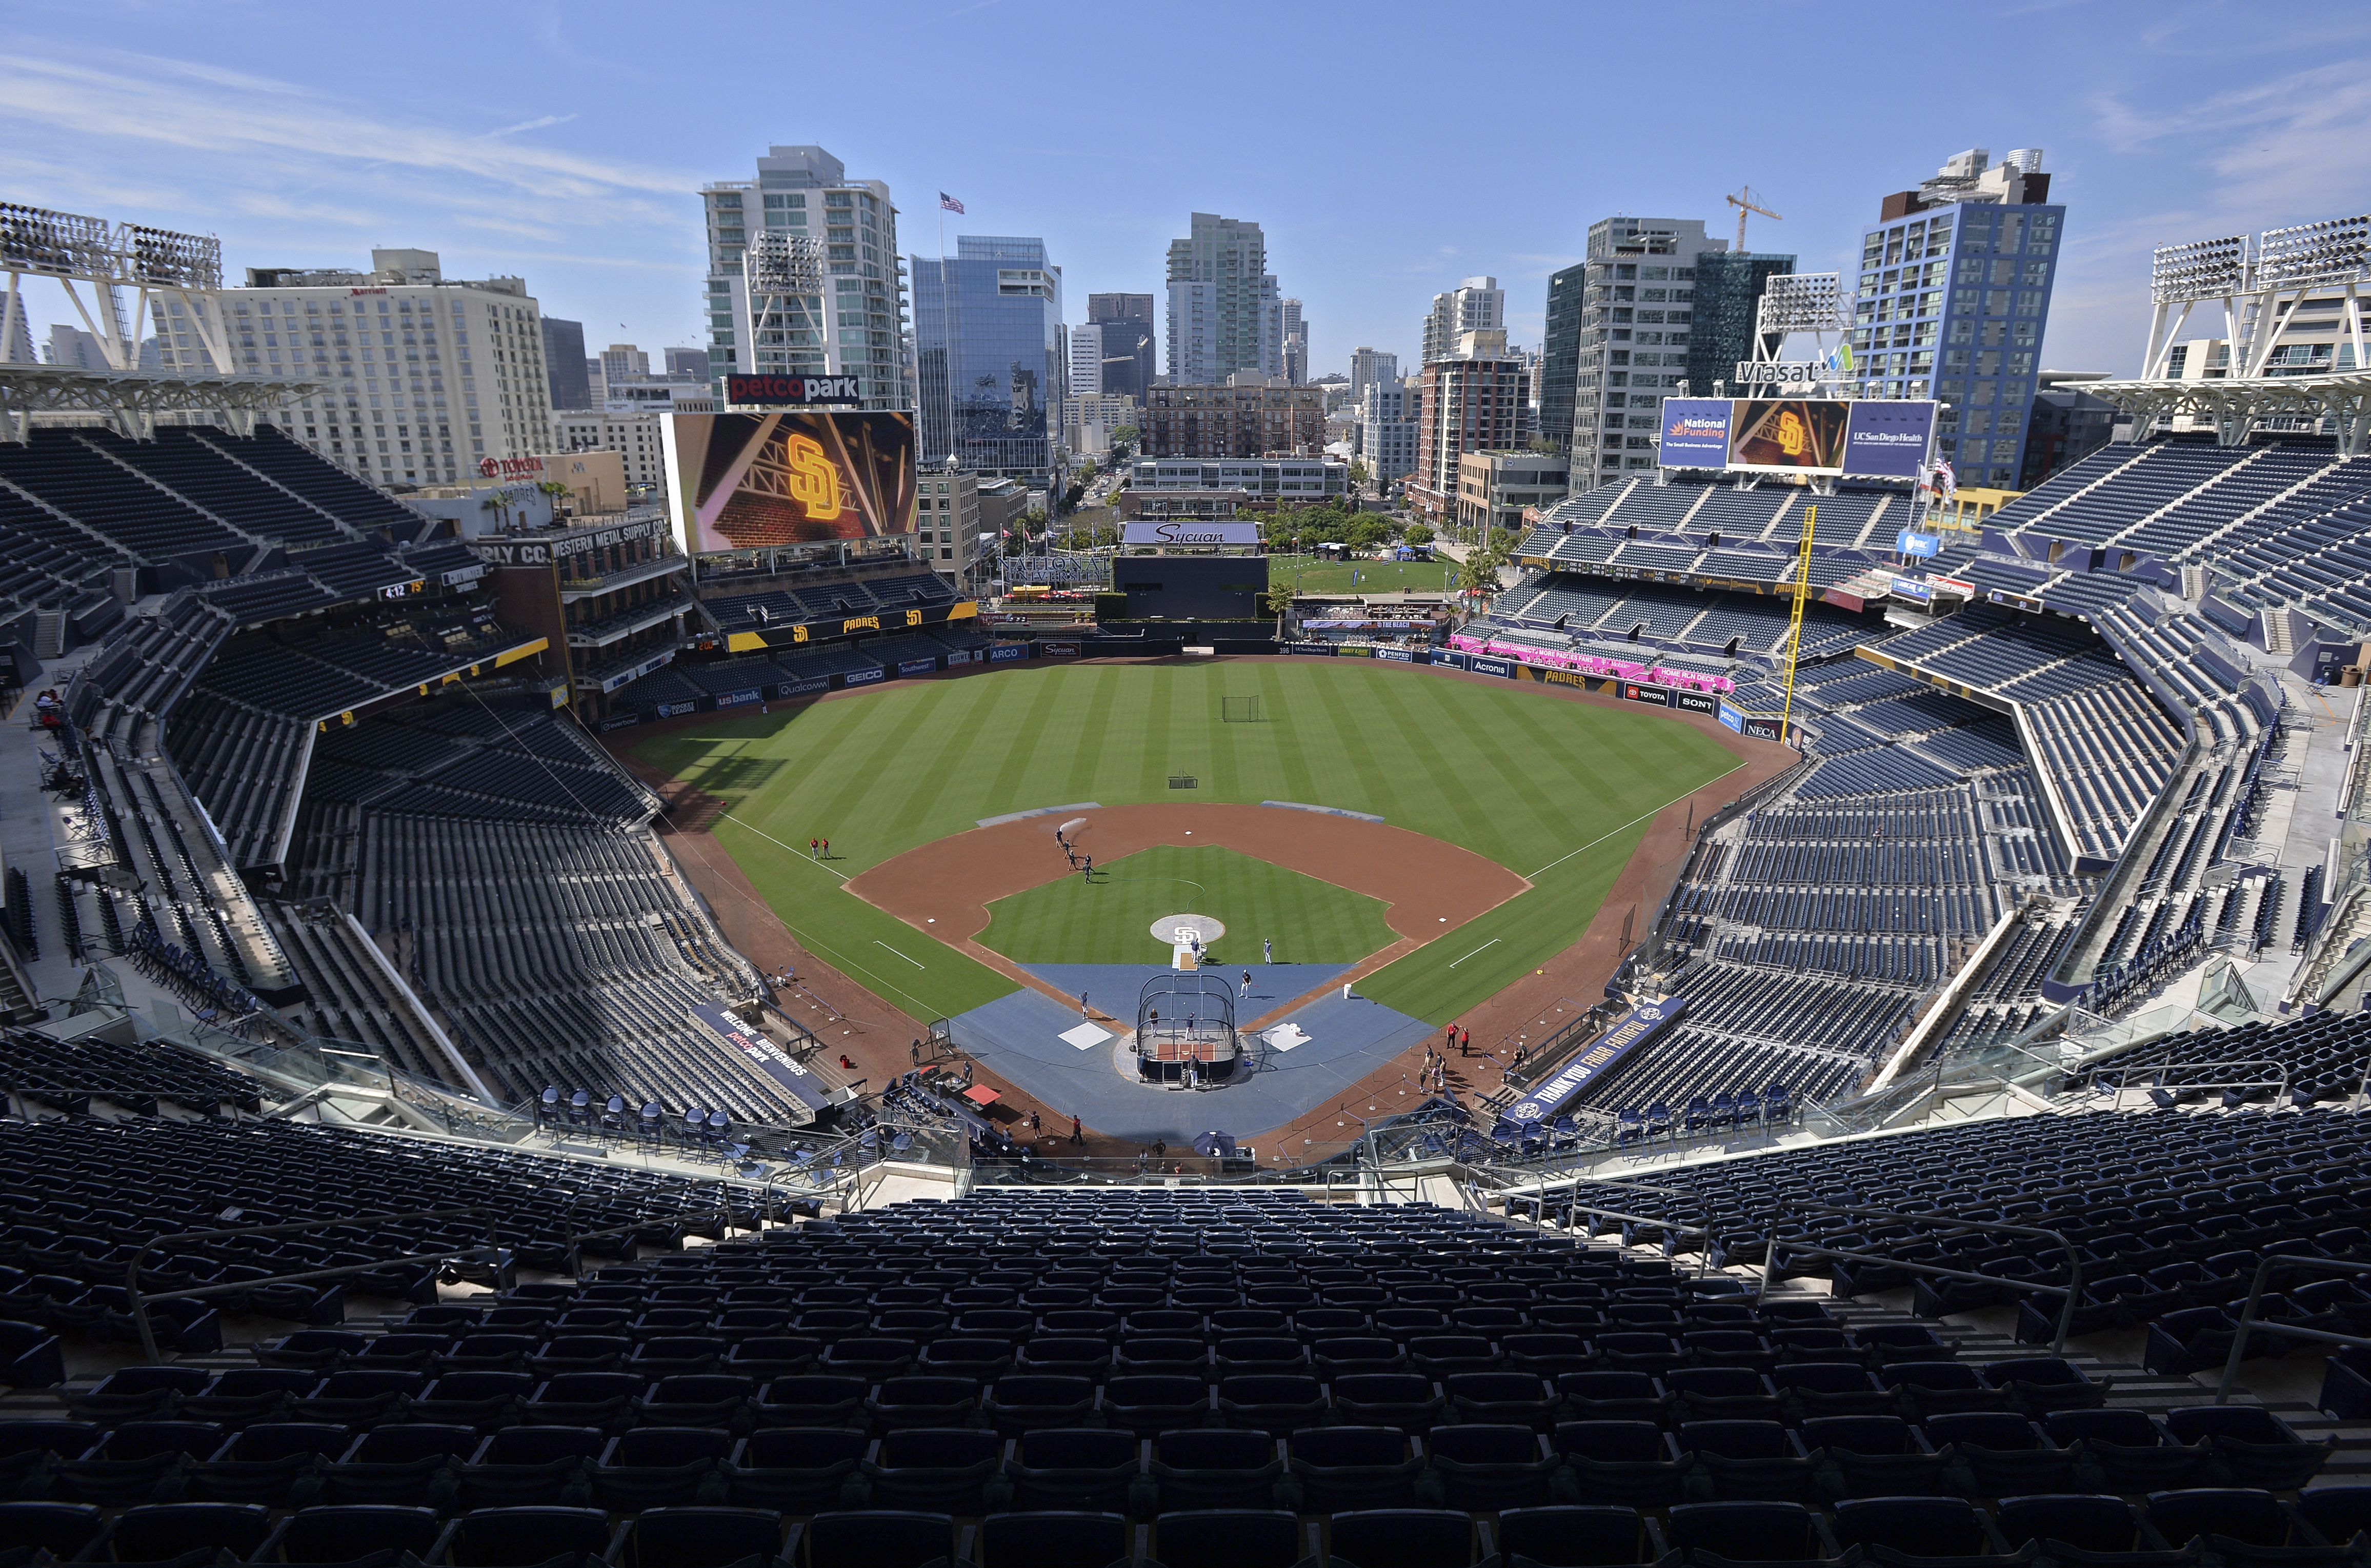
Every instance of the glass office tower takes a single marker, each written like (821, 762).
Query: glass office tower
(988, 339)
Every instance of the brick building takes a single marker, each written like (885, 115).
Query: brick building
(1232, 421)
(1478, 401)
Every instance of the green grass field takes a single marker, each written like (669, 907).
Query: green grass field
(1110, 921)
(1308, 574)
(1557, 792)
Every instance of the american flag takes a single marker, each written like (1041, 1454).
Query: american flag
(949, 203)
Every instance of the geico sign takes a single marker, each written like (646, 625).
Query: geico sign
(509, 468)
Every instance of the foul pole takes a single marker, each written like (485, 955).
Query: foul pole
(1795, 621)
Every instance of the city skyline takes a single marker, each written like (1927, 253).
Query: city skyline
(242, 135)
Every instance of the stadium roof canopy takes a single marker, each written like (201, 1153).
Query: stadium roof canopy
(130, 401)
(2237, 406)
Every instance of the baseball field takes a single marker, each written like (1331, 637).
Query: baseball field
(1557, 792)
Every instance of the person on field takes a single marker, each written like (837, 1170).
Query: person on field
(1247, 984)
(814, 848)
(1078, 1133)
(1267, 951)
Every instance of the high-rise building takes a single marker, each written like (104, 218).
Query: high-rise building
(1478, 400)
(1477, 305)
(1369, 366)
(621, 361)
(1266, 419)
(1387, 420)
(987, 345)
(804, 275)
(74, 347)
(1727, 303)
(450, 374)
(688, 364)
(1560, 353)
(563, 360)
(1630, 339)
(1225, 313)
(1296, 344)
(1086, 360)
(1128, 331)
(17, 345)
(1955, 285)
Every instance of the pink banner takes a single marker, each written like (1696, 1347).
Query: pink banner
(1592, 665)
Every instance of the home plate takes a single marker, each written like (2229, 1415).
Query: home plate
(1284, 1037)
(1086, 1037)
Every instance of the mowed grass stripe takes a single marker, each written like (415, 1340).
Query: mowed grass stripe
(1520, 776)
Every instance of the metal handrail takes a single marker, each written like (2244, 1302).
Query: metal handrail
(139, 1300)
(2073, 1287)
(1703, 1256)
(2278, 1084)
(2249, 1322)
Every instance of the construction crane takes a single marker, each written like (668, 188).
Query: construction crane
(1744, 203)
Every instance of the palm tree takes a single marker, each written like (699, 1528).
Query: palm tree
(1278, 600)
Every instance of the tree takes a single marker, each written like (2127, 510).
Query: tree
(1417, 534)
(1358, 476)
(1123, 443)
(1087, 472)
(1278, 600)
(1542, 444)
(1071, 497)
(1478, 571)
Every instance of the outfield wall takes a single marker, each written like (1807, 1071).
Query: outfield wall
(1070, 649)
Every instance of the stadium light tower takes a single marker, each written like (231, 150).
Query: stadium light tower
(156, 264)
(1799, 302)
(2181, 278)
(2293, 262)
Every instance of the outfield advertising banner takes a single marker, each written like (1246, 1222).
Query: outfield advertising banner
(758, 481)
(910, 667)
(1731, 719)
(736, 698)
(806, 687)
(1694, 701)
(861, 677)
(618, 722)
(1695, 432)
(1481, 667)
(1910, 542)
(1058, 650)
(1631, 1030)
(1660, 696)
(1887, 438)
(1008, 653)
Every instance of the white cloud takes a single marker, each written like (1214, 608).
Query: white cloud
(223, 113)
(531, 125)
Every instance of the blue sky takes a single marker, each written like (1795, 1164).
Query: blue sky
(1387, 149)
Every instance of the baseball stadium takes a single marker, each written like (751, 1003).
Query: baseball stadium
(1809, 1018)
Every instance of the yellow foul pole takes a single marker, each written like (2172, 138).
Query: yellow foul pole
(1794, 622)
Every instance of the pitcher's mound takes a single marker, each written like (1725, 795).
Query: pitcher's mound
(1179, 930)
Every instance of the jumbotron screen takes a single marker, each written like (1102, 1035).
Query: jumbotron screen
(765, 480)
(1868, 437)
